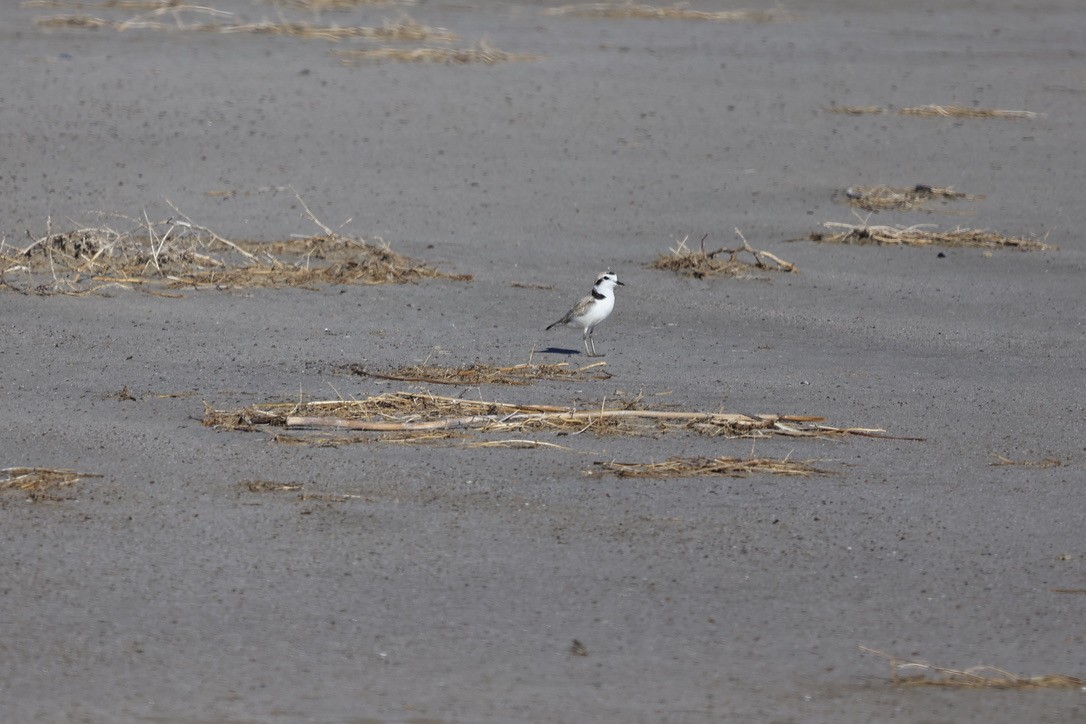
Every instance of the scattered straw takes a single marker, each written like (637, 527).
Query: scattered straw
(477, 374)
(406, 412)
(177, 253)
(963, 112)
(673, 12)
(908, 198)
(701, 264)
(39, 483)
(724, 466)
(481, 53)
(924, 235)
(975, 677)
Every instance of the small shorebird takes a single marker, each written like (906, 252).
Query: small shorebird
(593, 309)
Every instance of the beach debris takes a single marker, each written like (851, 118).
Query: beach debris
(902, 198)
(701, 264)
(480, 373)
(672, 12)
(933, 111)
(923, 235)
(854, 110)
(482, 52)
(719, 466)
(187, 18)
(40, 483)
(411, 412)
(965, 112)
(975, 677)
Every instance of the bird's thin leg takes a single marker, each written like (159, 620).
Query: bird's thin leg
(592, 341)
(586, 343)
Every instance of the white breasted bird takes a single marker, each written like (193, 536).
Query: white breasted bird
(593, 309)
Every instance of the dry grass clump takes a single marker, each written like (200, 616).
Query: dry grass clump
(478, 374)
(701, 264)
(424, 412)
(975, 677)
(39, 483)
(481, 53)
(964, 112)
(176, 253)
(907, 198)
(722, 466)
(672, 12)
(924, 235)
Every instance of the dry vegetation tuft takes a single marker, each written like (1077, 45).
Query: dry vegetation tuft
(39, 483)
(411, 412)
(924, 235)
(724, 466)
(480, 53)
(672, 12)
(701, 263)
(902, 198)
(177, 253)
(975, 677)
(478, 374)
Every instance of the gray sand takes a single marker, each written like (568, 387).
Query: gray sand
(452, 589)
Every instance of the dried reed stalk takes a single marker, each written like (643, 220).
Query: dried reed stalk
(726, 466)
(673, 12)
(907, 198)
(964, 112)
(701, 264)
(975, 677)
(481, 53)
(924, 235)
(478, 374)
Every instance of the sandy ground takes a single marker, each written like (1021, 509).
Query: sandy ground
(452, 587)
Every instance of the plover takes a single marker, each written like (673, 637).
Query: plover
(593, 309)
